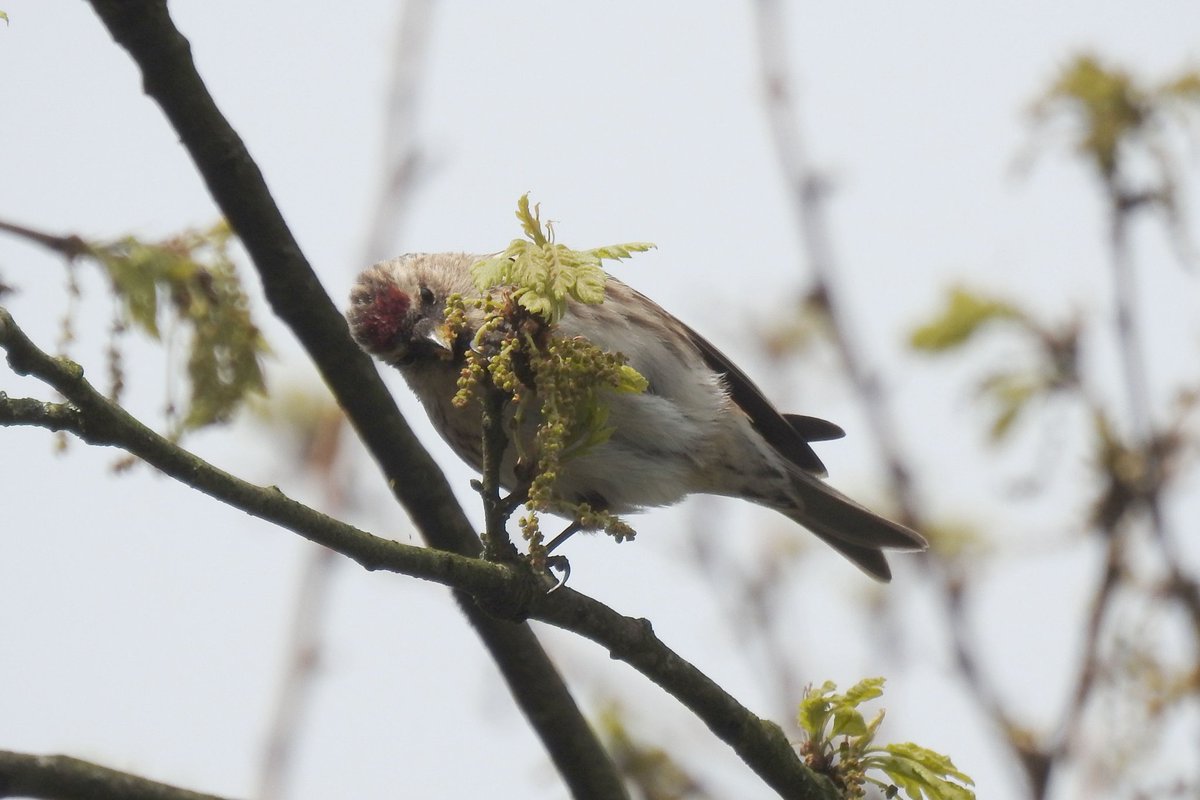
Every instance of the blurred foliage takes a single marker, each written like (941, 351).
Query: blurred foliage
(826, 716)
(1053, 351)
(791, 333)
(1135, 473)
(1113, 111)
(964, 315)
(955, 541)
(308, 421)
(190, 280)
(649, 772)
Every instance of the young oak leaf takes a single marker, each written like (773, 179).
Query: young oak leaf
(921, 774)
(546, 273)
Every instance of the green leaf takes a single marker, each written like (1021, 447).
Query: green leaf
(539, 304)
(864, 690)
(531, 221)
(630, 381)
(618, 251)
(964, 314)
(847, 722)
(929, 759)
(814, 710)
(546, 274)
(490, 271)
(4, 17)
(921, 773)
(873, 725)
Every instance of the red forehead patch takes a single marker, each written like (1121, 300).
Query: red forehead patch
(378, 322)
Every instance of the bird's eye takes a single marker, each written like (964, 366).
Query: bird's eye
(426, 296)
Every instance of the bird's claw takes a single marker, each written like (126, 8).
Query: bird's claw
(555, 564)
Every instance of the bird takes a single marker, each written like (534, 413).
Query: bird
(700, 427)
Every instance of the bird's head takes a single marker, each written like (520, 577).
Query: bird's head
(397, 307)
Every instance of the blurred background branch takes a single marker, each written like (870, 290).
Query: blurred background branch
(322, 427)
(1117, 116)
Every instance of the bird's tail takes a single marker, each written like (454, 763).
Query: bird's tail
(855, 532)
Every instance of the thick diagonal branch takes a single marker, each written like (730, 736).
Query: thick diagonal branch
(145, 29)
(66, 778)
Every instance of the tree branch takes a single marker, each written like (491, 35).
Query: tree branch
(500, 590)
(144, 28)
(55, 417)
(98, 421)
(67, 246)
(66, 778)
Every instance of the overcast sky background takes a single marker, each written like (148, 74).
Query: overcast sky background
(142, 625)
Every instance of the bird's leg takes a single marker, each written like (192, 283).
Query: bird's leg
(569, 531)
(555, 564)
(514, 499)
(560, 563)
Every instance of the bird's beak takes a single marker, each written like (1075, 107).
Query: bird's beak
(438, 336)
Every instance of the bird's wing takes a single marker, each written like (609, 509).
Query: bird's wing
(814, 429)
(788, 434)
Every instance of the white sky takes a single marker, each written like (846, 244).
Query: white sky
(142, 624)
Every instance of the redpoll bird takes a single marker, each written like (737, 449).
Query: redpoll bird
(701, 426)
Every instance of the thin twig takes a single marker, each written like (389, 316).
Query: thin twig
(303, 652)
(25, 411)
(1150, 445)
(746, 600)
(70, 246)
(497, 545)
(302, 663)
(1129, 344)
(809, 191)
(1089, 668)
(402, 153)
